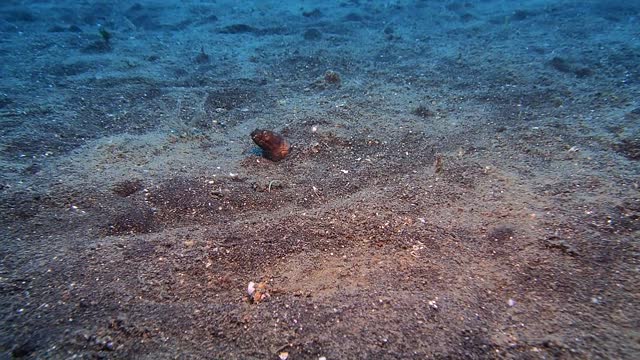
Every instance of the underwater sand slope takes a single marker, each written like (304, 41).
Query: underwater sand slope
(462, 182)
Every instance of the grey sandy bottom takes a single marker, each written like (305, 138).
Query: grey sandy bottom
(136, 209)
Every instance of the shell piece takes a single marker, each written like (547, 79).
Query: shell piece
(274, 146)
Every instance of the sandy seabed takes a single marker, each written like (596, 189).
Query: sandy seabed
(463, 180)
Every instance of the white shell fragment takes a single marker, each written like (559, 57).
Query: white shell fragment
(251, 288)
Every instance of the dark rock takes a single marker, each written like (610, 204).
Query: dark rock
(631, 115)
(238, 29)
(466, 17)
(56, 29)
(423, 112)
(19, 16)
(353, 17)
(520, 15)
(565, 66)
(458, 6)
(70, 69)
(312, 34)
(97, 47)
(22, 205)
(202, 57)
(630, 148)
(332, 77)
(135, 220)
(315, 13)
(583, 72)
(500, 234)
(554, 242)
(31, 169)
(136, 7)
(209, 19)
(4, 101)
(127, 187)
(561, 64)
(24, 349)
